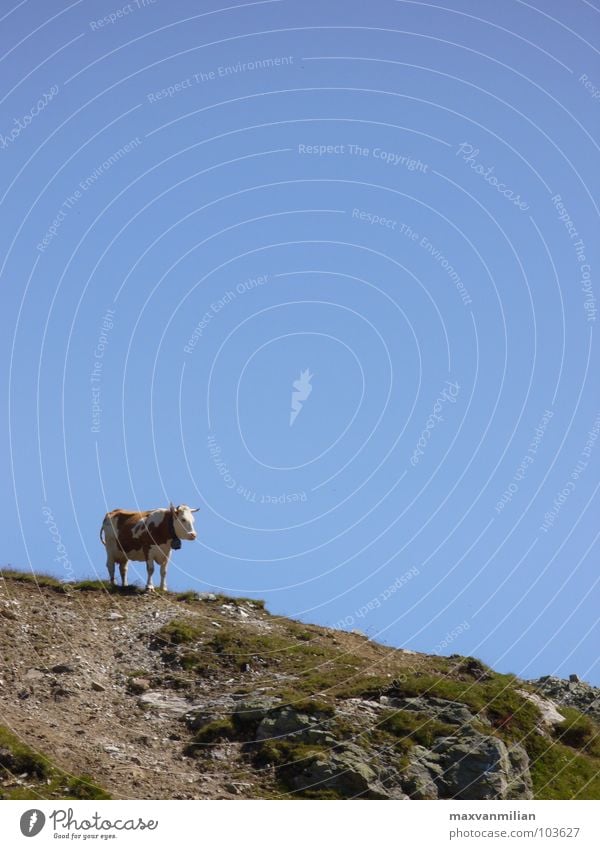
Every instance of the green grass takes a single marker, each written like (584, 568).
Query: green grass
(212, 732)
(189, 595)
(306, 669)
(319, 669)
(560, 773)
(91, 586)
(284, 754)
(415, 727)
(323, 793)
(45, 780)
(85, 788)
(180, 631)
(579, 732)
(314, 707)
(288, 759)
(38, 579)
(45, 581)
(238, 600)
(495, 698)
(22, 758)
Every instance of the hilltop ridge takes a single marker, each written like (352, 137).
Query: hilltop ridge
(121, 694)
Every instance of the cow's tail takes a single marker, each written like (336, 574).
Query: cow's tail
(102, 539)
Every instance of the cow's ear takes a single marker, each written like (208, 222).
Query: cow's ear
(194, 509)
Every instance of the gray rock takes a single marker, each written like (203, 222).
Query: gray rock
(164, 703)
(477, 766)
(418, 779)
(62, 668)
(344, 771)
(255, 709)
(139, 685)
(286, 722)
(576, 694)
(549, 713)
(34, 675)
(454, 713)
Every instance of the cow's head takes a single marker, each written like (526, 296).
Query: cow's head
(183, 521)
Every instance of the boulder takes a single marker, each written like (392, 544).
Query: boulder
(576, 694)
(418, 780)
(346, 771)
(454, 713)
(470, 766)
(255, 709)
(165, 703)
(137, 686)
(549, 713)
(287, 722)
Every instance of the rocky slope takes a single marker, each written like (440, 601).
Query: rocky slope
(128, 695)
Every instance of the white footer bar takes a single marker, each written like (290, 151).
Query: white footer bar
(300, 824)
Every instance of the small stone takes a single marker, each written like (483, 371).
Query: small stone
(98, 687)
(113, 616)
(139, 685)
(34, 674)
(574, 679)
(232, 788)
(62, 668)
(61, 693)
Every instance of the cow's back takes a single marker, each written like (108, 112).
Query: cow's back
(118, 530)
(127, 534)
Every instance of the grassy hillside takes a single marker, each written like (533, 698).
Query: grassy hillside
(180, 696)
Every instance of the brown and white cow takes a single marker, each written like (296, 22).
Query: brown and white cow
(148, 535)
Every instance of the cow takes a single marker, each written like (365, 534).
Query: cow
(148, 535)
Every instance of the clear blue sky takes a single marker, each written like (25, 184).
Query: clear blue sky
(201, 203)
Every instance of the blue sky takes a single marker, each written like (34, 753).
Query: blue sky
(399, 198)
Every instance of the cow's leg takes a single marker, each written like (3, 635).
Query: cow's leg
(163, 574)
(110, 565)
(123, 571)
(150, 568)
